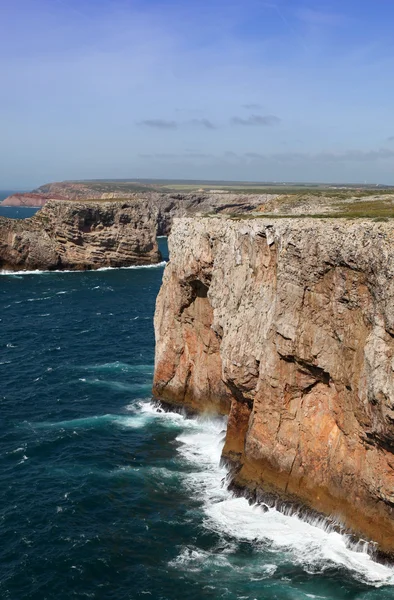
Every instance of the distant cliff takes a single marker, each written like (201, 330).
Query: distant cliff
(72, 235)
(288, 325)
(168, 204)
(31, 199)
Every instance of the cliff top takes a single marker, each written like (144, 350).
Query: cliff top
(235, 197)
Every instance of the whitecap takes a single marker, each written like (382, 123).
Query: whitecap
(55, 272)
(17, 450)
(312, 546)
(39, 299)
(196, 559)
(138, 420)
(84, 422)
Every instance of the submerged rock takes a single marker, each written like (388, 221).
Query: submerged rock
(80, 236)
(288, 325)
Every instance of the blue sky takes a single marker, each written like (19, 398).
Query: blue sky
(279, 90)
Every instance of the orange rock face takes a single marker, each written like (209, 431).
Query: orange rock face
(30, 199)
(289, 326)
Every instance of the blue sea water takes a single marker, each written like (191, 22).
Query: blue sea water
(14, 212)
(103, 495)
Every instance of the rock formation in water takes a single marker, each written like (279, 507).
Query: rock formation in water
(72, 235)
(288, 325)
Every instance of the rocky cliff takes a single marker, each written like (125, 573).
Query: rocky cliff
(71, 235)
(167, 205)
(288, 325)
(31, 199)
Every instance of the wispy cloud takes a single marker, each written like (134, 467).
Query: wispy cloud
(171, 156)
(253, 155)
(159, 123)
(198, 155)
(205, 123)
(257, 120)
(390, 139)
(324, 157)
(252, 106)
(168, 124)
(356, 156)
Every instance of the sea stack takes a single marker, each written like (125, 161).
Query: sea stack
(287, 325)
(80, 236)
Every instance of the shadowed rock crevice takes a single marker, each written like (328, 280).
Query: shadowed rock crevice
(309, 369)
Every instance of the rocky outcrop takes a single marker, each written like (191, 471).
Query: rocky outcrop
(288, 325)
(71, 235)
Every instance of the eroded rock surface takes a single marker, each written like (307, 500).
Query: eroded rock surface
(288, 324)
(71, 235)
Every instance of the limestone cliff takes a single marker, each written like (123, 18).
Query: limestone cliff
(288, 324)
(71, 235)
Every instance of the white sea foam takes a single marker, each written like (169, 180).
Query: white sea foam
(314, 548)
(42, 272)
(82, 422)
(141, 413)
(145, 411)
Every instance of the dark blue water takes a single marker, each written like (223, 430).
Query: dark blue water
(14, 212)
(17, 212)
(102, 495)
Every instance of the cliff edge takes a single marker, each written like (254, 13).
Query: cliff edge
(288, 325)
(80, 236)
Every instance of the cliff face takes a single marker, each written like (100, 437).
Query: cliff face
(31, 199)
(288, 324)
(71, 235)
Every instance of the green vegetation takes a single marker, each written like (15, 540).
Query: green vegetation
(377, 209)
(236, 187)
(290, 199)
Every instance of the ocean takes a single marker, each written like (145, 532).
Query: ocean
(14, 212)
(105, 496)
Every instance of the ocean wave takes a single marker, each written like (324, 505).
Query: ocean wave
(81, 422)
(120, 366)
(310, 545)
(119, 386)
(143, 412)
(57, 272)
